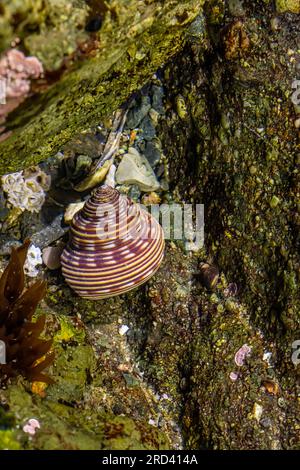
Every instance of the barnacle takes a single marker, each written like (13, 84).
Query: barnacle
(25, 352)
(25, 190)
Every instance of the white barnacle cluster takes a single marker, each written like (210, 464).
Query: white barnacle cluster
(33, 259)
(25, 190)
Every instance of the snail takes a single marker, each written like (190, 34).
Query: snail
(114, 246)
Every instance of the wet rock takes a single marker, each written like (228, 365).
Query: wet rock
(135, 169)
(138, 112)
(3, 209)
(47, 235)
(134, 192)
(266, 422)
(31, 224)
(164, 185)
(17, 71)
(288, 5)
(83, 164)
(250, 240)
(6, 244)
(152, 152)
(157, 99)
(197, 29)
(51, 256)
(148, 128)
(236, 7)
(88, 144)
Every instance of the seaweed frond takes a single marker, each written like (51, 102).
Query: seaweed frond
(26, 353)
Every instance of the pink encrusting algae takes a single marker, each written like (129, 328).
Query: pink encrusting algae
(241, 355)
(31, 426)
(16, 73)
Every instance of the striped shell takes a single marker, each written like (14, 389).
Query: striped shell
(114, 246)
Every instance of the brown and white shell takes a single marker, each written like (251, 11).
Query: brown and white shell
(114, 246)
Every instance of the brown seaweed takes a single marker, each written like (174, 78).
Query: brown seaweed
(26, 353)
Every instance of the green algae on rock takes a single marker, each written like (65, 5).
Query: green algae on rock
(67, 427)
(234, 152)
(42, 26)
(292, 6)
(73, 416)
(96, 86)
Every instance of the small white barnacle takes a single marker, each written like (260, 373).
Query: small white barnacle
(25, 190)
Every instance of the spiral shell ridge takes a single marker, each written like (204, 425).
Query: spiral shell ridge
(114, 246)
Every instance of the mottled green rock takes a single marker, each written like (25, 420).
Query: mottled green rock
(236, 152)
(51, 30)
(288, 5)
(97, 83)
(69, 413)
(8, 441)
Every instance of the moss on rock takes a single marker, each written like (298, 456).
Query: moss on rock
(69, 413)
(93, 86)
(288, 5)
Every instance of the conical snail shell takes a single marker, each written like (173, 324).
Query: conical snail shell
(114, 246)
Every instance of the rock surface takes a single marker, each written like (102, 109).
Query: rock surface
(209, 365)
(90, 73)
(134, 168)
